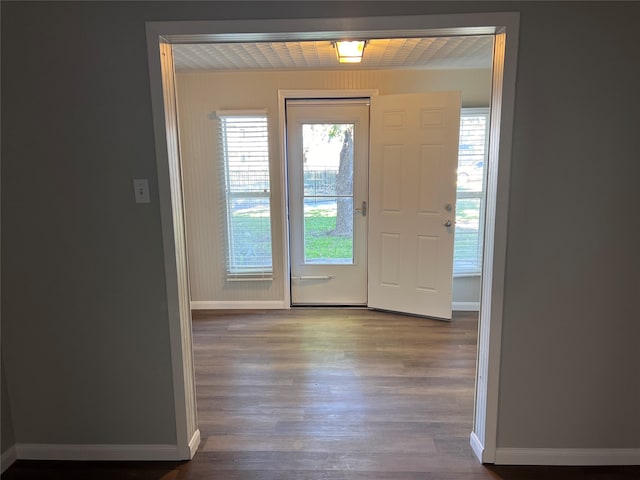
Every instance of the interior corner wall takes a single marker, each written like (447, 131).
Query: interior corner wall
(201, 93)
(83, 292)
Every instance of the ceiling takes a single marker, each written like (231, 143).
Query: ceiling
(423, 53)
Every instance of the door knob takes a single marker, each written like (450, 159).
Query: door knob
(447, 223)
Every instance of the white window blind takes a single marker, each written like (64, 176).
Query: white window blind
(472, 160)
(247, 214)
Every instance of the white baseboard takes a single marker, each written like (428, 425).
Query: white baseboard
(465, 306)
(8, 458)
(568, 456)
(280, 305)
(194, 443)
(239, 305)
(39, 451)
(476, 446)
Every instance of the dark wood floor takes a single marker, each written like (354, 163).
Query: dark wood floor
(325, 394)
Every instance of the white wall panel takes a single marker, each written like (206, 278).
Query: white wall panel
(201, 93)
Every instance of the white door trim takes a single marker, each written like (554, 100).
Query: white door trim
(283, 96)
(165, 118)
(327, 283)
(485, 420)
(504, 26)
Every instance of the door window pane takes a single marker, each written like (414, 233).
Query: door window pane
(322, 245)
(328, 193)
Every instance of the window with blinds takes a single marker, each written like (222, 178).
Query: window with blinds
(472, 160)
(247, 214)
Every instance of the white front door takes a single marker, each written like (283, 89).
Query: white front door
(414, 151)
(327, 164)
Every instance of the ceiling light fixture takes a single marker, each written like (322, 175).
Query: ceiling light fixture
(349, 51)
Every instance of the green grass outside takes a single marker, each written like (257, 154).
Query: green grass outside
(320, 245)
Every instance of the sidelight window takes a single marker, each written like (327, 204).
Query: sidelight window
(472, 161)
(247, 213)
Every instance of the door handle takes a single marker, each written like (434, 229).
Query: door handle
(363, 209)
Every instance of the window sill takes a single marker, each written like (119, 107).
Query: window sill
(465, 275)
(249, 278)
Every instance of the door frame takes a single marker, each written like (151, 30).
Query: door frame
(283, 96)
(504, 26)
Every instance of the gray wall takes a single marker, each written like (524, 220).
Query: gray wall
(570, 354)
(84, 321)
(84, 307)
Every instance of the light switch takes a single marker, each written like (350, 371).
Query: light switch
(141, 190)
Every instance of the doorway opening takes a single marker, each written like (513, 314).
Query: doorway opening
(398, 250)
(160, 37)
(327, 184)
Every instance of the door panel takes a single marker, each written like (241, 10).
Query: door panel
(414, 151)
(327, 166)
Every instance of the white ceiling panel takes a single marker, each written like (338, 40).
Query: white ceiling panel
(428, 53)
